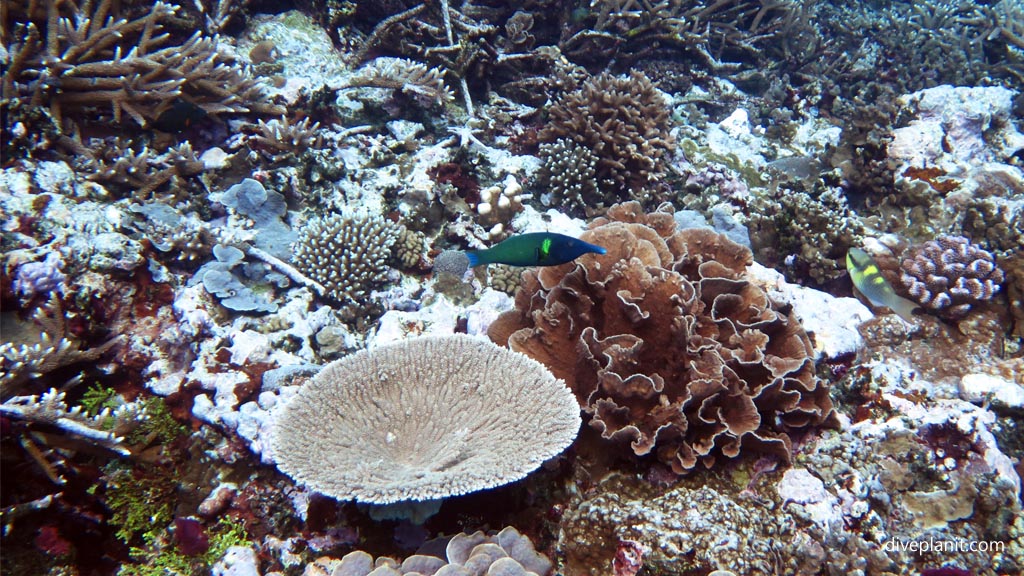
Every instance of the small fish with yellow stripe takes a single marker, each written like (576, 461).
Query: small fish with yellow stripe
(868, 280)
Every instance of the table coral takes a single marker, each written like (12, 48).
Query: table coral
(668, 345)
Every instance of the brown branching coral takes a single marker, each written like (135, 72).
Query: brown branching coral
(76, 56)
(625, 123)
(668, 345)
(411, 78)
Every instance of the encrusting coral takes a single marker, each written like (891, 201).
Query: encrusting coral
(624, 122)
(346, 254)
(948, 275)
(423, 419)
(667, 344)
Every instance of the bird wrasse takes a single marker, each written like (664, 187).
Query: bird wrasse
(868, 280)
(534, 249)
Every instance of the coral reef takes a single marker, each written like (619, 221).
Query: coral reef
(624, 123)
(347, 254)
(668, 345)
(442, 416)
(949, 275)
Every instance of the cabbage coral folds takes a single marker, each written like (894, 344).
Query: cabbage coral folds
(667, 344)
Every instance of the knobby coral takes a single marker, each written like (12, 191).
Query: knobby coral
(346, 254)
(423, 419)
(948, 275)
(624, 122)
(667, 344)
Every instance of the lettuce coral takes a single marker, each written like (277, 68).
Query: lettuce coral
(667, 344)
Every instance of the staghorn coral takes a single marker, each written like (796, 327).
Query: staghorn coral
(622, 121)
(425, 418)
(410, 77)
(949, 275)
(346, 254)
(506, 553)
(106, 428)
(666, 343)
(79, 57)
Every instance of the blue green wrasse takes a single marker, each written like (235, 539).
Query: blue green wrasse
(869, 281)
(534, 249)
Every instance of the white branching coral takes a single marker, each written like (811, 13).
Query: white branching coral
(423, 419)
(346, 254)
(21, 363)
(410, 77)
(106, 428)
(86, 55)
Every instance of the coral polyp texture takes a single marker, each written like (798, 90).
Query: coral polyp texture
(507, 553)
(346, 254)
(668, 345)
(949, 275)
(624, 122)
(423, 419)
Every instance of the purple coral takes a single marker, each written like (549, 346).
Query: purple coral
(44, 277)
(949, 274)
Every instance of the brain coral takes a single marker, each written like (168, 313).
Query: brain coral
(624, 122)
(423, 419)
(667, 344)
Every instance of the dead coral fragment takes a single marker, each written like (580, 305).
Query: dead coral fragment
(423, 419)
(949, 274)
(624, 122)
(667, 344)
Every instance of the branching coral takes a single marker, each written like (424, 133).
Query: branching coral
(280, 139)
(105, 428)
(668, 345)
(624, 122)
(346, 254)
(410, 77)
(806, 233)
(569, 175)
(949, 274)
(19, 364)
(425, 418)
(87, 56)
